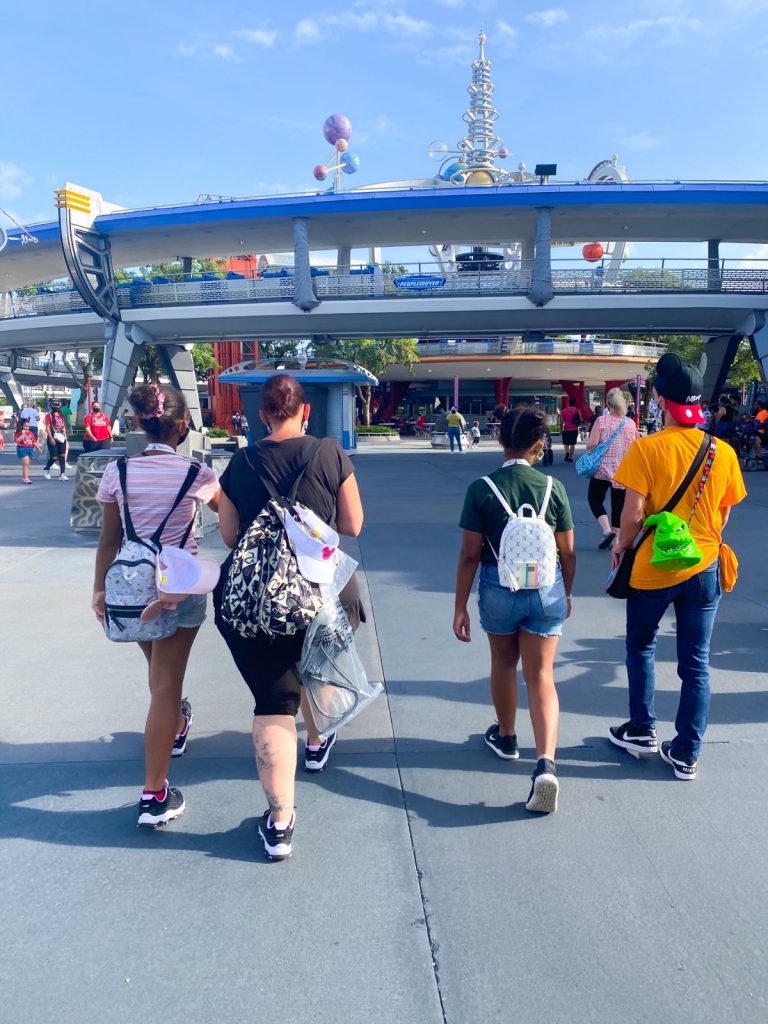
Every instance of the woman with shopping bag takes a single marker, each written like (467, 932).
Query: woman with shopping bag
(609, 440)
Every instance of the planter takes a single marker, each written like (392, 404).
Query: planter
(378, 439)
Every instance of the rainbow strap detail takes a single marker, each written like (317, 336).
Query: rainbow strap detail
(530, 575)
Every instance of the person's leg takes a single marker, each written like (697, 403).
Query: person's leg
(274, 744)
(505, 654)
(645, 609)
(618, 494)
(62, 461)
(596, 492)
(538, 657)
(695, 610)
(51, 457)
(313, 736)
(25, 468)
(146, 650)
(167, 665)
(459, 435)
(450, 437)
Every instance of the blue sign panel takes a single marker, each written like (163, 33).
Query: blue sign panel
(419, 282)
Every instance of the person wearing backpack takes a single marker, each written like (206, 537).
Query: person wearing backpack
(620, 432)
(153, 483)
(517, 526)
(287, 463)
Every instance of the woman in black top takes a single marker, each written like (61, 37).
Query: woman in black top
(270, 665)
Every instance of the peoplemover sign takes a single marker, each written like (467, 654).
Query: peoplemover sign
(419, 282)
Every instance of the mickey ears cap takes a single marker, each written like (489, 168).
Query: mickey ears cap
(681, 385)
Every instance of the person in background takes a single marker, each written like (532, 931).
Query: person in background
(270, 665)
(31, 414)
(243, 424)
(154, 479)
(456, 427)
(98, 432)
(522, 625)
(26, 446)
(236, 423)
(725, 419)
(761, 423)
(475, 433)
(571, 418)
(421, 423)
(603, 428)
(598, 411)
(652, 470)
(707, 413)
(56, 435)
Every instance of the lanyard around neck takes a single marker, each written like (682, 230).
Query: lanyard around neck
(516, 462)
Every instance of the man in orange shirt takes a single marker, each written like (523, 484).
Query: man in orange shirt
(652, 470)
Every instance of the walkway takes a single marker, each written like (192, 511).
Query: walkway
(420, 891)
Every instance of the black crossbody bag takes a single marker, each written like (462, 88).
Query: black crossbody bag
(618, 585)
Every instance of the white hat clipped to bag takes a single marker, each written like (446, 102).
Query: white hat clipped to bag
(314, 543)
(179, 572)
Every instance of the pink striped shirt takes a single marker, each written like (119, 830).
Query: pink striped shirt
(601, 431)
(153, 481)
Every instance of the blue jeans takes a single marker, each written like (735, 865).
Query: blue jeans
(695, 603)
(454, 434)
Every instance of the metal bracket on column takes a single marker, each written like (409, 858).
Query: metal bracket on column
(121, 357)
(542, 291)
(303, 290)
(180, 365)
(87, 253)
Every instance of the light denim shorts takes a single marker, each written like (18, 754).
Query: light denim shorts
(503, 611)
(192, 611)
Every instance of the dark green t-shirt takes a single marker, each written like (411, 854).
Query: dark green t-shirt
(483, 512)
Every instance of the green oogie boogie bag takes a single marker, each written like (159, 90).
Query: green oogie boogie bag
(673, 545)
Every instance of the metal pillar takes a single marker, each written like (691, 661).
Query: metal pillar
(303, 291)
(759, 342)
(713, 264)
(11, 388)
(180, 365)
(720, 353)
(344, 259)
(542, 291)
(121, 357)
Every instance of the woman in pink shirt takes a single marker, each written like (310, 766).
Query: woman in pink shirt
(605, 427)
(153, 480)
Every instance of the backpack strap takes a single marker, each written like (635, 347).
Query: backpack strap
(500, 496)
(547, 496)
(130, 532)
(194, 469)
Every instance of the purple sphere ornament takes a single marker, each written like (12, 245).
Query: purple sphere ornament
(349, 162)
(320, 172)
(503, 153)
(336, 127)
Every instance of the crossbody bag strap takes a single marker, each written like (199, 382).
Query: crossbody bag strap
(678, 495)
(190, 478)
(617, 431)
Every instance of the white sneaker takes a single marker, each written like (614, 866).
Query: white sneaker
(63, 477)
(47, 474)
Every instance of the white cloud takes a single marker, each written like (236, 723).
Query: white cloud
(459, 54)
(643, 141)
(12, 180)
(455, 4)
(258, 36)
(507, 33)
(187, 49)
(359, 19)
(403, 24)
(547, 19)
(224, 52)
(308, 31)
(669, 28)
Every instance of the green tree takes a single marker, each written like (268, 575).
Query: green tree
(204, 359)
(279, 348)
(745, 367)
(374, 354)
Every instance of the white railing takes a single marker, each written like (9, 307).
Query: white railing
(47, 304)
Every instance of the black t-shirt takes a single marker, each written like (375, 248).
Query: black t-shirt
(281, 462)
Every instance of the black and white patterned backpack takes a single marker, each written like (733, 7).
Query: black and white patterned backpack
(527, 554)
(263, 591)
(130, 581)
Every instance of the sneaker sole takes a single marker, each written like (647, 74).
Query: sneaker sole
(678, 775)
(147, 821)
(543, 800)
(280, 852)
(498, 753)
(318, 766)
(632, 749)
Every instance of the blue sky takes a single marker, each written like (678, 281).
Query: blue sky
(153, 104)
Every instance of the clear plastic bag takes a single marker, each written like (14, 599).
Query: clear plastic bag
(331, 669)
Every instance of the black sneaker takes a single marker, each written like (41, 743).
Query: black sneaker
(635, 741)
(607, 541)
(154, 812)
(543, 796)
(316, 760)
(685, 767)
(504, 746)
(277, 842)
(180, 743)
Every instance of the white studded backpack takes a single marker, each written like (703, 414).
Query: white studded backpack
(527, 554)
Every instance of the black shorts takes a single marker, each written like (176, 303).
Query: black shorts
(570, 436)
(57, 449)
(96, 446)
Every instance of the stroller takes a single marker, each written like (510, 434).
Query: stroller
(549, 456)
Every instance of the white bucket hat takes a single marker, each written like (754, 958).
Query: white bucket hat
(179, 572)
(314, 543)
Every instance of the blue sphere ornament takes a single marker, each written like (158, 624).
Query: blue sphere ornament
(349, 162)
(457, 167)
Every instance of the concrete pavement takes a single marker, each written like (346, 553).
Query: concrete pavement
(420, 890)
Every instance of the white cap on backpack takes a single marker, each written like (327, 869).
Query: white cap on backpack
(314, 543)
(179, 572)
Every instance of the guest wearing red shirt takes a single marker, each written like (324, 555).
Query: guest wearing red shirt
(98, 432)
(571, 419)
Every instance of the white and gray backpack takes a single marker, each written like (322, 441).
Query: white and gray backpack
(527, 554)
(130, 581)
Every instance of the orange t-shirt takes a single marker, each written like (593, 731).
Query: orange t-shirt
(655, 466)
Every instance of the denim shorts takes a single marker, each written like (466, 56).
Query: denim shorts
(503, 611)
(192, 611)
(24, 453)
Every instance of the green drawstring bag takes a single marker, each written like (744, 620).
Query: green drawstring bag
(673, 545)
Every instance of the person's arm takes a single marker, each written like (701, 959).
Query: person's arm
(594, 436)
(469, 558)
(229, 520)
(567, 553)
(88, 433)
(109, 545)
(213, 504)
(349, 508)
(632, 519)
(49, 427)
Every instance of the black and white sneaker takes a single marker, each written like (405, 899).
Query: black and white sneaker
(635, 741)
(277, 841)
(685, 767)
(154, 811)
(504, 746)
(316, 760)
(180, 743)
(543, 796)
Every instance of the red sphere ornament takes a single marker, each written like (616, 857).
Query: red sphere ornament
(592, 252)
(320, 172)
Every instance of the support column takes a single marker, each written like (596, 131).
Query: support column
(398, 389)
(542, 291)
(181, 370)
(759, 342)
(11, 388)
(303, 292)
(501, 390)
(186, 267)
(344, 259)
(121, 357)
(720, 353)
(713, 265)
(575, 389)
